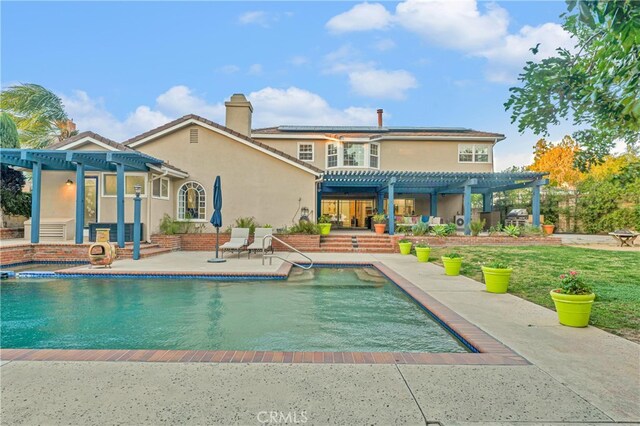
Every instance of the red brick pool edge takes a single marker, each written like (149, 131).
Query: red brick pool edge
(490, 351)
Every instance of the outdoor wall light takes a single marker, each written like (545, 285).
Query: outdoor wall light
(137, 189)
(69, 182)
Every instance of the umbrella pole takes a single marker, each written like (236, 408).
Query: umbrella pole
(217, 259)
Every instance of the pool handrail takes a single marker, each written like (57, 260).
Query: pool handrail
(272, 255)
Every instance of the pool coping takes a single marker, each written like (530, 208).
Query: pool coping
(485, 349)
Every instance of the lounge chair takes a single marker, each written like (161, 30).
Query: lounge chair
(258, 236)
(238, 241)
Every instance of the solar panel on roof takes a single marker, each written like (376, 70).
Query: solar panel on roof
(369, 129)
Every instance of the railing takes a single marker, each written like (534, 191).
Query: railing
(272, 255)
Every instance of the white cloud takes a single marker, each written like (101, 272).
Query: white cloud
(365, 78)
(228, 69)
(507, 57)
(361, 17)
(464, 26)
(255, 69)
(262, 18)
(455, 24)
(382, 84)
(299, 60)
(384, 44)
(273, 106)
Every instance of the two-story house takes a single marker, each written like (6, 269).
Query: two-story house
(274, 173)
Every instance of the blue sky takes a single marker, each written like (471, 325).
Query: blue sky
(125, 67)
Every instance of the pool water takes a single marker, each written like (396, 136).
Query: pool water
(324, 309)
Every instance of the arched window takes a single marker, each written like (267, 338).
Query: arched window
(191, 201)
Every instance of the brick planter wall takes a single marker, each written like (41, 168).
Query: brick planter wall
(44, 253)
(173, 242)
(10, 233)
(459, 240)
(207, 242)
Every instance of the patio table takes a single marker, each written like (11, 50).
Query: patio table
(625, 238)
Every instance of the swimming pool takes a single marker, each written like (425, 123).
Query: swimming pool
(324, 309)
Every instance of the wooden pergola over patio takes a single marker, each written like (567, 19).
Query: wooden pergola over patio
(381, 182)
(38, 160)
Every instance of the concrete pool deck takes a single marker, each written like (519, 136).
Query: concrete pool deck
(595, 379)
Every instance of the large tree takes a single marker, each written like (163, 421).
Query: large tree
(12, 200)
(595, 85)
(38, 113)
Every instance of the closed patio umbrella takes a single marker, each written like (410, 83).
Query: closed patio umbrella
(216, 218)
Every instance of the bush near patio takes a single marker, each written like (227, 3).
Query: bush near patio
(613, 275)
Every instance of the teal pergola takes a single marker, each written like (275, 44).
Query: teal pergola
(39, 160)
(391, 183)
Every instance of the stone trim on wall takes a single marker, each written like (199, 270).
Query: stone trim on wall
(11, 233)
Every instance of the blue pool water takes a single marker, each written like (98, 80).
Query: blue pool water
(325, 309)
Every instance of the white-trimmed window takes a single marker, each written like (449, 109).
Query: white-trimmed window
(374, 156)
(353, 154)
(474, 153)
(332, 155)
(192, 200)
(160, 187)
(305, 151)
(109, 184)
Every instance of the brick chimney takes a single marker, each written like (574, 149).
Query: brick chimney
(380, 111)
(238, 114)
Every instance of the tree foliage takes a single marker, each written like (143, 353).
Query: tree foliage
(38, 113)
(558, 160)
(595, 85)
(9, 137)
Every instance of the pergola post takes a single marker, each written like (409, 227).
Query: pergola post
(79, 203)
(391, 207)
(433, 204)
(380, 202)
(318, 203)
(535, 205)
(120, 202)
(467, 209)
(36, 189)
(487, 202)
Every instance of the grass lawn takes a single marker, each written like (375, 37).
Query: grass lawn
(613, 275)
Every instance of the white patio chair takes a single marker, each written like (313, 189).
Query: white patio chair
(239, 239)
(258, 236)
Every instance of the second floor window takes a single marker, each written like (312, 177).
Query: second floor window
(353, 154)
(474, 153)
(374, 155)
(332, 155)
(305, 151)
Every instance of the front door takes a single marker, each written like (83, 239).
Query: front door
(90, 200)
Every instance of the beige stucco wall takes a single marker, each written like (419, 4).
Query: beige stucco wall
(397, 154)
(253, 183)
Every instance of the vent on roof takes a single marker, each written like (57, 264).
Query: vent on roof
(193, 135)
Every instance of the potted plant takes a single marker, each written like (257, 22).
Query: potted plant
(422, 252)
(496, 276)
(573, 300)
(405, 246)
(379, 223)
(324, 224)
(548, 227)
(452, 263)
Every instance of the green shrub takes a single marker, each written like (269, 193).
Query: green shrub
(439, 230)
(245, 222)
(452, 255)
(325, 218)
(450, 229)
(304, 227)
(495, 229)
(420, 228)
(476, 227)
(531, 231)
(168, 226)
(379, 218)
(512, 231)
(422, 245)
(404, 240)
(497, 264)
(572, 283)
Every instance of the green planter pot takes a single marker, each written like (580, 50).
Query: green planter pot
(573, 309)
(405, 248)
(452, 265)
(497, 280)
(423, 253)
(325, 228)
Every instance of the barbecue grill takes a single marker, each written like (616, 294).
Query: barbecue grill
(518, 217)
